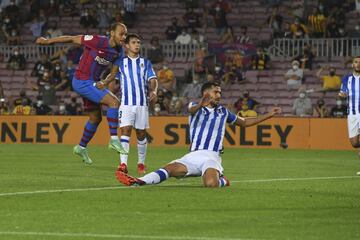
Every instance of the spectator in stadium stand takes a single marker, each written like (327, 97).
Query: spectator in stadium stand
(355, 32)
(317, 24)
(130, 15)
(246, 112)
(163, 102)
(227, 36)
(218, 72)
(41, 65)
(199, 64)
(4, 108)
(72, 107)
(8, 25)
(57, 74)
(320, 110)
(307, 57)
(192, 89)
(340, 109)
(166, 77)
(22, 97)
(103, 18)
(250, 103)
(184, 38)
(233, 76)
(46, 89)
(173, 30)
(332, 29)
(62, 109)
(219, 9)
(274, 22)
(154, 52)
(298, 29)
(87, 19)
(41, 108)
(23, 109)
(331, 81)
(13, 11)
(302, 105)
(294, 76)
(117, 18)
(36, 27)
(260, 61)
(286, 32)
(13, 38)
(53, 30)
(17, 60)
(191, 19)
(297, 9)
(197, 37)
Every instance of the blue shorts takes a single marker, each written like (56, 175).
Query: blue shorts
(88, 90)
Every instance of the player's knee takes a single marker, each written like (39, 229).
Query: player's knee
(211, 183)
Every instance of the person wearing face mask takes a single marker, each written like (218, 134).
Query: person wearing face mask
(260, 61)
(294, 76)
(320, 110)
(250, 103)
(331, 81)
(192, 89)
(16, 61)
(184, 38)
(340, 110)
(173, 30)
(41, 108)
(302, 105)
(166, 77)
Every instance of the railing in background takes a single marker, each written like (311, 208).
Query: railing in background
(33, 52)
(324, 47)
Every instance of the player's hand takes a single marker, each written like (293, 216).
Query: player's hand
(205, 100)
(42, 41)
(275, 111)
(100, 85)
(342, 94)
(153, 97)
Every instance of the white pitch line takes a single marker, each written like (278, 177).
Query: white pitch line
(125, 187)
(95, 235)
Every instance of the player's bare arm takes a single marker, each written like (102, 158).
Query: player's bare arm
(342, 94)
(205, 101)
(61, 39)
(248, 122)
(153, 86)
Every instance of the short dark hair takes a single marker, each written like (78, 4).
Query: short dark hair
(358, 56)
(130, 36)
(208, 85)
(115, 25)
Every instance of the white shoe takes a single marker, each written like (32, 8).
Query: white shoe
(358, 173)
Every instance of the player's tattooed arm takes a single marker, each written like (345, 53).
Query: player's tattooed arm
(61, 39)
(247, 122)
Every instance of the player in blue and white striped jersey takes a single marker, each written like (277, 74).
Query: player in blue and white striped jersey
(350, 89)
(207, 128)
(137, 81)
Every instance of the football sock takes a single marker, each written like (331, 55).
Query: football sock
(222, 182)
(112, 118)
(142, 146)
(124, 140)
(155, 177)
(89, 131)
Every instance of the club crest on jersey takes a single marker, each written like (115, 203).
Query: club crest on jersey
(220, 111)
(101, 61)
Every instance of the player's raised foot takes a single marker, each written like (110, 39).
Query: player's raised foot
(227, 181)
(127, 179)
(123, 168)
(82, 152)
(116, 145)
(141, 168)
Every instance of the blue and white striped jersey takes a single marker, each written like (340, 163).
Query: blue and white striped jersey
(134, 75)
(207, 127)
(351, 86)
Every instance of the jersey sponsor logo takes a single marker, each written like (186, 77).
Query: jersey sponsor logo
(101, 52)
(102, 61)
(88, 37)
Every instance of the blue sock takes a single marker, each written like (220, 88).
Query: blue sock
(222, 182)
(89, 131)
(113, 121)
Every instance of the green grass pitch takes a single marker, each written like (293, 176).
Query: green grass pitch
(47, 193)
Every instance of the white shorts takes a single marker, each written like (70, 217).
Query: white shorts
(353, 125)
(198, 161)
(136, 116)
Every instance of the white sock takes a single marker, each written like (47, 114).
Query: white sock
(114, 137)
(155, 177)
(142, 146)
(124, 140)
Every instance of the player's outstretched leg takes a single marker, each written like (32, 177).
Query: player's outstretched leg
(89, 131)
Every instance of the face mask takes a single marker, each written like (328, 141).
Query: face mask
(61, 108)
(13, 34)
(217, 9)
(39, 103)
(357, 27)
(16, 53)
(195, 81)
(157, 108)
(339, 103)
(165, 67)
(295, 67)
(57, 68)
(302, 95)
(217, 69)
(7, 20)
(47, 87)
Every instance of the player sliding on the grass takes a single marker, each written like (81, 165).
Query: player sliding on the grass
(350, 88)
(207, 128)
(99, 53)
